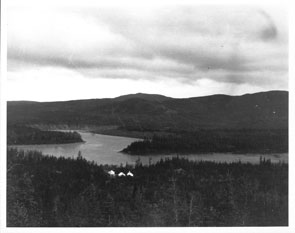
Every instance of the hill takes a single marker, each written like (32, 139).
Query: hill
(149, 97)
(143, 112)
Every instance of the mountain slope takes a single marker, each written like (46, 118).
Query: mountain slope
(143, 112)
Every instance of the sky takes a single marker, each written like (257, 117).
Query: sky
(64, 53)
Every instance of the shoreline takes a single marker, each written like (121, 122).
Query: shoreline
(140, 135)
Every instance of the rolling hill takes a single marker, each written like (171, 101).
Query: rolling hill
(146, 112)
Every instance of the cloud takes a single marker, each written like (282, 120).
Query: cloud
(270, 32)
(226, 45)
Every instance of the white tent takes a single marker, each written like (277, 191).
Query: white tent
(111, 173)
(129, 174)
(121, 174)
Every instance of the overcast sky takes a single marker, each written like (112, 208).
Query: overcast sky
(178, 51)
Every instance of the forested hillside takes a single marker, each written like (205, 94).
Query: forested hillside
(210, 141)
(51, 191)
(143, 113)
(24, 135)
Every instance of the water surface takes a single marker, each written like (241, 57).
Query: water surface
(104, 149)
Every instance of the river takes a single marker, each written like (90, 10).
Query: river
(104, 149)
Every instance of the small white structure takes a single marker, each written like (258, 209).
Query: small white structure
(111, 173)
(129, 174)
(121, 174)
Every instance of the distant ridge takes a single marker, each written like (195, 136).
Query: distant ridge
(148, 112)
(146, 96)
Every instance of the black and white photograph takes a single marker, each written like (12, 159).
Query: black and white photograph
(145, 115)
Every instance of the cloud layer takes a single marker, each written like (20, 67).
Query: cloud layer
(184, 44)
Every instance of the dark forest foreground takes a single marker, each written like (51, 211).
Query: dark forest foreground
(50, 191)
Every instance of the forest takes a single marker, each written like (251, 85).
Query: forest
(210, 141)
(24, 135)
(47, 191)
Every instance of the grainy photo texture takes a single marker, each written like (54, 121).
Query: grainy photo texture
(147, 116)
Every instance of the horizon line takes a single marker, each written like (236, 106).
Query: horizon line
(138, 93)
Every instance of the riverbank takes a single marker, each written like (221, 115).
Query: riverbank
(245, 141)
(104, 149)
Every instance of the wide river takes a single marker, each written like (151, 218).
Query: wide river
(105, 149)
